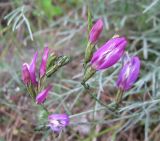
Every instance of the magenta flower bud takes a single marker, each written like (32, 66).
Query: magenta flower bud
(58, 121)
(41, 97)
(44, 62)
(25, 74)
(96, 31)
(129, 73)
(32, 69)
(109, 54)
(29, 71)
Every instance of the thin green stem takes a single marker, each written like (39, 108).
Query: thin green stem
(119, 96)
(100, 102)
(87, 112)
(45, 108)
(93, 110)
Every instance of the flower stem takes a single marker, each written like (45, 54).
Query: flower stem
(45, 108)
(119, 96)
(89, 72)
(87, 112)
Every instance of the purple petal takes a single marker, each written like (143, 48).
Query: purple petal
(129, 74)
(44, 62)
(96, 31)
(41, 97)
(63, 117)
(133, 73)
(109, 53)
(109, 46)
(58, 121)
(32, 68)
(25, 74)
(55, 129)
(112, 58)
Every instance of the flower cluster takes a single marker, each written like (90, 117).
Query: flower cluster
(36, 86)
(108, 55)
(95, 60)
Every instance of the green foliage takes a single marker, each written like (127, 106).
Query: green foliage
(42, 115)
(1, 139)
(50, 9)
(71, 2)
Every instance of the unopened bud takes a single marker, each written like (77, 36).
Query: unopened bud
(43, 66)
(60, 61)
(25, 74)
(96, 31)
(93, 37)
(129, 73)
(63, 60)
(51, 60)
(41, 97)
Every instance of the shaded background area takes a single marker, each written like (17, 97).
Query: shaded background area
(62, 25)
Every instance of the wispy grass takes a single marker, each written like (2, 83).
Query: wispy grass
(18, 17)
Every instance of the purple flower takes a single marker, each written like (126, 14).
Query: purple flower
(32, 68)
(109, 53)
(96, 31)
(41, 97)
(25, 74)
(58, 121)
(129, 73)
(29, 71)
(44, 62)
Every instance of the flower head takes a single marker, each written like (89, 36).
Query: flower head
(41, 97)
(58, 121)
(109, 53)
(25, 74)
(129, 73)
(44, 62)
(96, 31)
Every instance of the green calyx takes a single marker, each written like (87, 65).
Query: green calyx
(58, 63)
(88, 53)
(51, 60)
(89, 72)
(31, 90)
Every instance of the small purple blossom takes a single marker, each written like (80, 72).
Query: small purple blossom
(44, 62)
(41, 97)
(96, 31)
(25, 74)
(109, 53)
(32, 68)
(129, 73)
(58, 121)
(29, 71)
